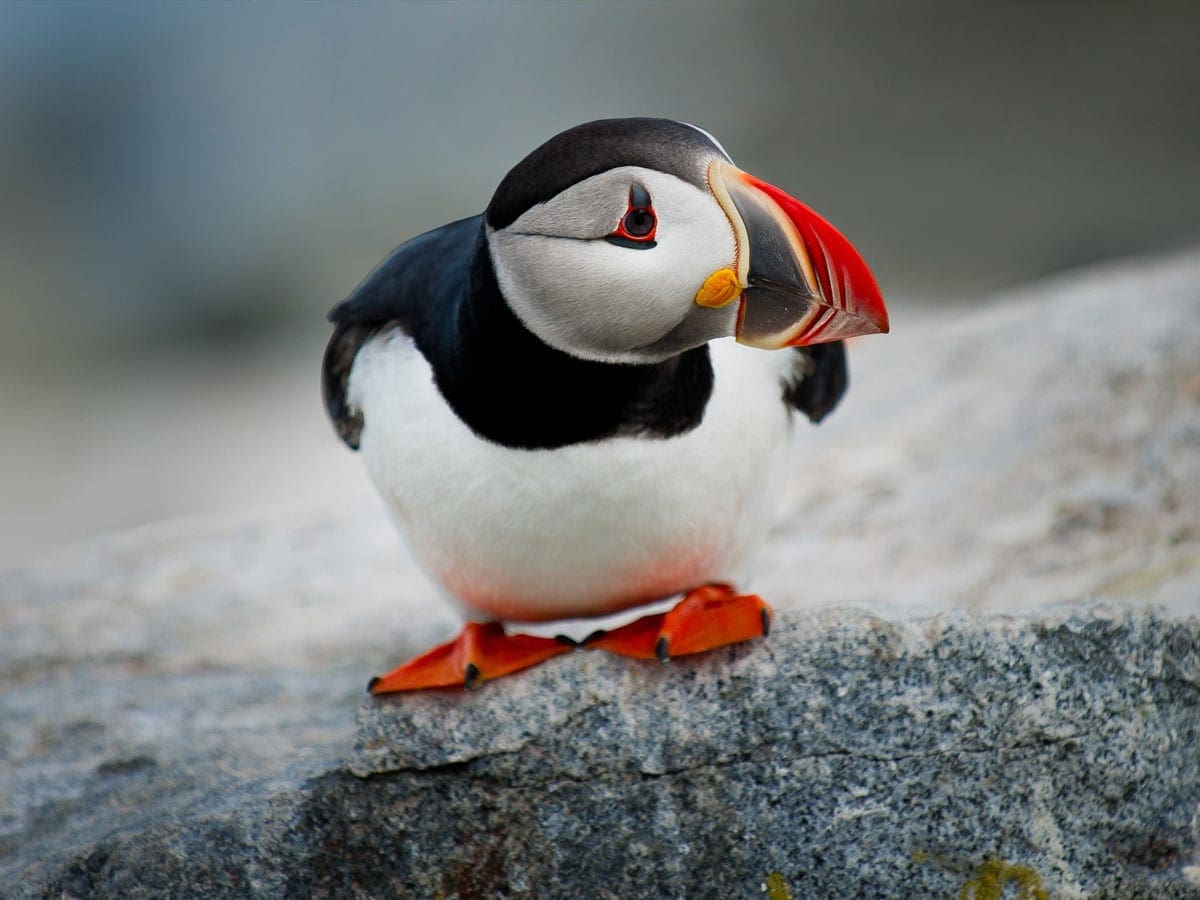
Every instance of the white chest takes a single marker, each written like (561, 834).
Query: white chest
(581, 530)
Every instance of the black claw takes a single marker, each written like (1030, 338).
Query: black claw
(564, 639)
(371, 684)
(471, 676)
(661, 650)
(594, 636)
(766, 620)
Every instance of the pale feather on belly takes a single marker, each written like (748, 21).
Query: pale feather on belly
(580, 530)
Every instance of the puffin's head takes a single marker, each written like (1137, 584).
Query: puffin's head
(633, 240)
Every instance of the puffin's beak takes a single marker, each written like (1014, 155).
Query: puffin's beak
(802, 282)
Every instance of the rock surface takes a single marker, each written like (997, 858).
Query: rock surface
(1004, 496)
(853, 757)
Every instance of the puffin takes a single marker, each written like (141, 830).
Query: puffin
(581, 401)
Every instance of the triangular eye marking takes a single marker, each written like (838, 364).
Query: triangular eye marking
(639, 225)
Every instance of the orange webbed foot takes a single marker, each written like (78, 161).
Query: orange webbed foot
(708, 617)
(479, 653)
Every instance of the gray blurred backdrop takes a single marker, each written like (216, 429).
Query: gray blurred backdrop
(186, 189)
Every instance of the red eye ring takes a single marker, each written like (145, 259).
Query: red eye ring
(639, 225)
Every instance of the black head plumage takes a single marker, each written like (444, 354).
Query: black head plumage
(594, 147)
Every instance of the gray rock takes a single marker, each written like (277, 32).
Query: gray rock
(853, 756)
(1006, 683)
(845, 756)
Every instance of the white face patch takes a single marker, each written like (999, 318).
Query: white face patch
(597, 300)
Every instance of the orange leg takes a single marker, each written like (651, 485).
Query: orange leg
(479, 653)
(708, 617)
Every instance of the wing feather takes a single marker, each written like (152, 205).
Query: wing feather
(820, 381)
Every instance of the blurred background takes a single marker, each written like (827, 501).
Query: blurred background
(186, 189)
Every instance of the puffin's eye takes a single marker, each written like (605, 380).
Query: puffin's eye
(639, 224)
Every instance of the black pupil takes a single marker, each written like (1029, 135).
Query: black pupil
(639, 222)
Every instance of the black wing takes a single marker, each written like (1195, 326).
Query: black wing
(821, 380)
(340, 352)
(407, 290)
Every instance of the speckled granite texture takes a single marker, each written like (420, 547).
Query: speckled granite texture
(854, 757)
